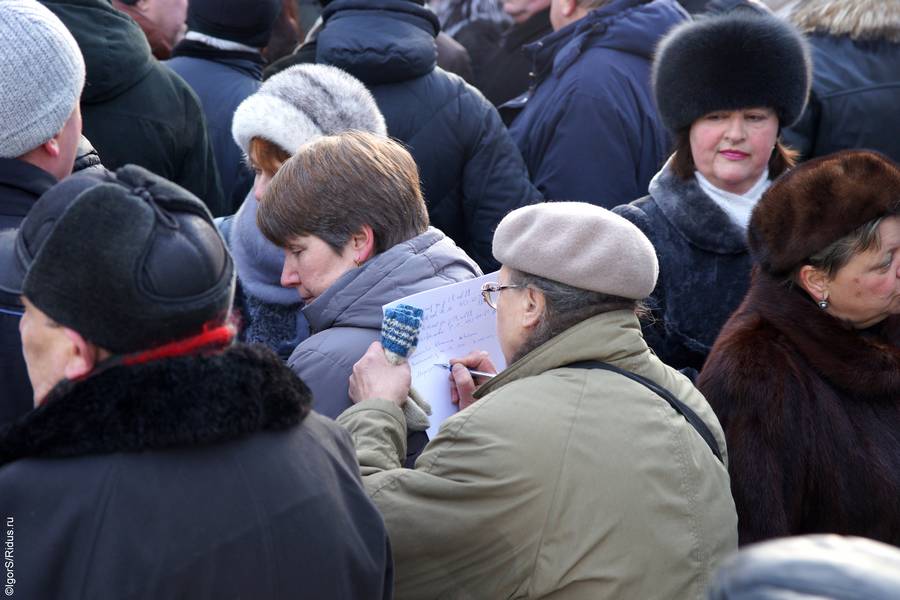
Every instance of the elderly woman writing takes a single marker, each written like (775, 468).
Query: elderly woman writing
(806, 374)
(348, 212)
(571, 474)
(725, 86)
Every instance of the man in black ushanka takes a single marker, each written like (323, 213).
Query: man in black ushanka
(162, 460)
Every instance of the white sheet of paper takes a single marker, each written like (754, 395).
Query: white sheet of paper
(456, 321)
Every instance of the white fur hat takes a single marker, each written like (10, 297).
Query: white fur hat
(578, 244)
(304, 102)
(41, 76)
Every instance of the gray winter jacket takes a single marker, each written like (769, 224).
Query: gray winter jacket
(346, 319)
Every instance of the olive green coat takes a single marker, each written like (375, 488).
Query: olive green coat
(557, 483)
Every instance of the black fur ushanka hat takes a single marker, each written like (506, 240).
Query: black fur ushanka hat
(728, 62)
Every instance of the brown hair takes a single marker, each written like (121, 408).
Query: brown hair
(782, 159)
(336, 184)
(267, 155)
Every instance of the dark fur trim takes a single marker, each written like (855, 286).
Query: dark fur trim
(695, 215)
(728, 62)
(856, 364)
(184, 401)
(859, 19)
(818, 203)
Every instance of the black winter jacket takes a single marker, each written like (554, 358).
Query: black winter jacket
(197, 477)
(222, 80)
(134, 109)
(21, 184)
(704, 268)
(856, 79)
(504, 72)
(472, 173)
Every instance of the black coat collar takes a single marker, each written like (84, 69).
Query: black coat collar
(27, 182)
(860, 363)
(695, 215)
(176, 402)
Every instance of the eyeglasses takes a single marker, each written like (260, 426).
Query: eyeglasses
(491, 292)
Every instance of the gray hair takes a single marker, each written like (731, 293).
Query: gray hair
(837, 254)
(564, 307)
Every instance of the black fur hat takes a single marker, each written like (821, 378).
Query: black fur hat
(731, 61)
(818, 203)
(127, 259)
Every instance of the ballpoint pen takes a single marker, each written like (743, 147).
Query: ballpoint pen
(472, 371)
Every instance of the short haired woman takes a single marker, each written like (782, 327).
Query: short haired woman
(348, 212)
(805, 377)
(288, 110)
(725, 86)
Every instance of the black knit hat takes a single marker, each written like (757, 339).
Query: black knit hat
(247, 22)
(728, 62)
(128, 260)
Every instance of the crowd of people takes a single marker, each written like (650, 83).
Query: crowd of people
(693, 212)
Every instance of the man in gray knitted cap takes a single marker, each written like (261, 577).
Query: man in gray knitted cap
(586, 469)
(41, 77)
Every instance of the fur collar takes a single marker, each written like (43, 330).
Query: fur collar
(184, 401)
(858, 19)
(695, 215)
(860, 363)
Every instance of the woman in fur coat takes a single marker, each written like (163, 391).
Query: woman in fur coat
(805, 377)
(725, 86)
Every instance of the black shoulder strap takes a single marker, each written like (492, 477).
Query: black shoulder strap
(682, 408)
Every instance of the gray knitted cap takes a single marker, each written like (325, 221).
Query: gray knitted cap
(304, 102)
(41, 76)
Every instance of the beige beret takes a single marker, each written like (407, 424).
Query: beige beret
(578, 244)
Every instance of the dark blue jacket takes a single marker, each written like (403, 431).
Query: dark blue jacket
(704, 268)
(136, 110)
(589, 130)
(854, 99)
(472, 174)
(222, 80)
(21, 184)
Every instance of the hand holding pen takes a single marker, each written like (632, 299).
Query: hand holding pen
(471, 366)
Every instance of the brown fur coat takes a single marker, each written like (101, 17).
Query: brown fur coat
(811, 412)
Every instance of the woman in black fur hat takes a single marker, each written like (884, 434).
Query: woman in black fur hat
(805, 377)
(725, 86)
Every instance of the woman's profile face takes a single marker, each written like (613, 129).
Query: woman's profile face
(867, 289)
(732, 148)
(260, 181)
(312, 266)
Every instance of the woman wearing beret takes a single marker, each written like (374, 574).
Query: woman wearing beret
(725, 86)
(348, 213)
(805, 376)
(289, 109)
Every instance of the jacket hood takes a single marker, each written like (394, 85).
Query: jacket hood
(169, 403)
(632, 26)
(422, 263)
(863, 20)
(115, 49)
(378, 41)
